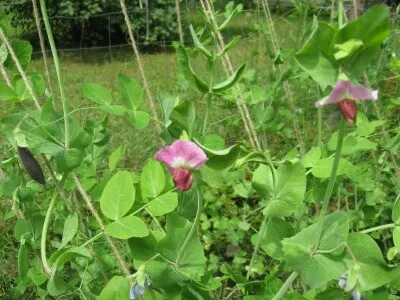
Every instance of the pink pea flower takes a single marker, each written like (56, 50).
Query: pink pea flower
(345, 95)
(181, 157)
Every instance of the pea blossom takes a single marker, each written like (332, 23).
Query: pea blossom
(346, 95)
(181, 157)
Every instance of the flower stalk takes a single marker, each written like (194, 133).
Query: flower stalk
(329, 189)
(192, 229)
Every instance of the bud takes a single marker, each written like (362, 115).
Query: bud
(183, 179)
(348, 108)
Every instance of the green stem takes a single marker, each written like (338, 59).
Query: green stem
(331, 183)
(192, 230)
(261, 233)
(205, 123)
(44, 235)
(58, 69)
(377, 228)
(92, 239)
(285, 286)
(319, 126)
(340, 13)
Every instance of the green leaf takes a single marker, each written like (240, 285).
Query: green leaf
(127, 227)
(56, 286)
(70, 228)
(396, 211)
(37, 83)
(298, 250)
(167, 105)
(276, 230)
(69, 160)
(37, 276)
(234, 12)
(347, 48)
(311, 157)
(138, 119)
(224, 162)
(152, 180)
(118, 196)
(214, 142)
(192, 261)
(283, 188)
(142, 249)
(116, 156)
(396, 238)
(23, 260)
(372, 270)
(4, 22)
(7, 93)
(163, 204)
(316, 55)
(194, 81)
(364, 127)
(184, 115)
(323, 167)
(198, 44)
(117, 110)
(229, 82)
(97, 93)
(23, 51)
(131, 91)
(231, 44)
(117, 288)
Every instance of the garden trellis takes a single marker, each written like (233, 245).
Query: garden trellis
(257, 192)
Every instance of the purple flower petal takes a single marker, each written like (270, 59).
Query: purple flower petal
(182, 154)
(338, 93)
(346, 90)
(360, 92)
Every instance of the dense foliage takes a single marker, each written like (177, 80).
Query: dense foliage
(93, 22)
(205, 218)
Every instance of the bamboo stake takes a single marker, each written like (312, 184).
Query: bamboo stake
(178, 18)
(249, 126)
(41, 40)
(286, 85)
(140, 65)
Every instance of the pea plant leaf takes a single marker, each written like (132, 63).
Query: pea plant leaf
(298, 250)
(97, 93)
(372, 269)
(117, 288)
(118, 196)
(163, 204)
(283, 188)
(70, 228)
(194, 80)
(127, 227)
(131, 91)
(116, 157)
